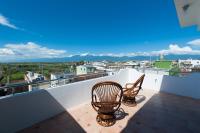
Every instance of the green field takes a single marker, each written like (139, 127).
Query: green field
(12, 72)
(163, 64)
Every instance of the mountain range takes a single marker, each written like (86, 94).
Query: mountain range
(108, 58)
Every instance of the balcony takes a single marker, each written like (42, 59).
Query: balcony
(166, 104)
(156, 112)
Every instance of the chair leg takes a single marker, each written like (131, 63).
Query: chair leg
(129, 101)
(106, 120)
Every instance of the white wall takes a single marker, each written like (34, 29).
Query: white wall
(151, 81)
(186, 86)
(23, 110)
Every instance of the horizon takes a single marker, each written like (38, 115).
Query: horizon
(91, 58)
(99, 28)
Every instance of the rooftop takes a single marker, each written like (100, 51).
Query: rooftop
(88, 66)
(155, 112)
(165, 104)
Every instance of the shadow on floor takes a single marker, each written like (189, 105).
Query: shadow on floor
(166, 113)
(120, 114)
(49, 110)
(61, 123)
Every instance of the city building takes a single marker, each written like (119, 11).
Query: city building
(84, 69)
(99, 65)
(33, 77)
(131, 64)
(161, 57)
(189, 63)
(60, 78)
(145, 63)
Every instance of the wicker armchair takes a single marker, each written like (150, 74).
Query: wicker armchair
(131, 90)
(106, 100)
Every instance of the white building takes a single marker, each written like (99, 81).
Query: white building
(190, 62)
(60, 78)
(33, 77)
(145, 63)
(85, 69)
(99, 65)
(131, 64)
(102, 64)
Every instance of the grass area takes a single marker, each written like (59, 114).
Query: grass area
(17, 76)
(13, 77)
(163, 64)
(16, 71)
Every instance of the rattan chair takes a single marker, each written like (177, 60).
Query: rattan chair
(106, 100)
(130, 91)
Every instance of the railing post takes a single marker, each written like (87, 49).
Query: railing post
(29, 87)
(13, 90)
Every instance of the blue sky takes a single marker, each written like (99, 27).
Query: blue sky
(69, 27)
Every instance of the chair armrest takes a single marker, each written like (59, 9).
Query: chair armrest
(132, 84)
(125, 90)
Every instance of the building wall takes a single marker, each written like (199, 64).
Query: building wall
(81, 70)
(90, 69)
(193, 63)
(84, 70)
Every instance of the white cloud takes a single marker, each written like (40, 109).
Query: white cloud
(174, 49)
(4, 21)
(29, 50)
(195, 42)
(5, 52)
(177, 50)
(32, 50)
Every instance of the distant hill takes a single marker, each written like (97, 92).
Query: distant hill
(108, 58)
